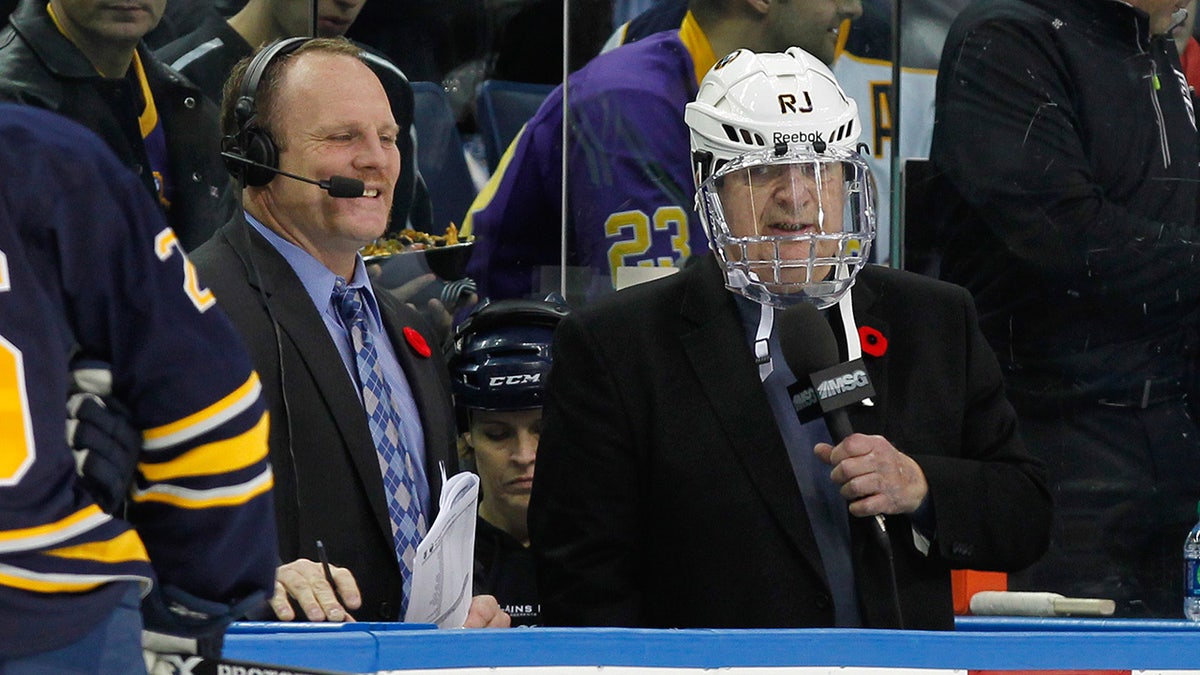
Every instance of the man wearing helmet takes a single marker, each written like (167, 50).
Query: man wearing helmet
(628, 185)
(498, 366)
(683, 481)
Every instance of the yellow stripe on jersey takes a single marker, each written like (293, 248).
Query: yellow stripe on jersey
(843, 37)
(43, 536)
(149, 117)
(205, 420)
(125, 547)
(38, 582)
(698, 46)
(186, 498)
(222, 456)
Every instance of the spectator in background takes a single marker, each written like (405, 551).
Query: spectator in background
(87, 264)
(498, 367)
(529, 46)
(1073, 223)
(207, 55)
(629, 185)
(682, 483)
(179, 17)
(364, 427)
(84, 59)
(1189, 49)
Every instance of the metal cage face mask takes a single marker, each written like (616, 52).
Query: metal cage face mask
(791, 226)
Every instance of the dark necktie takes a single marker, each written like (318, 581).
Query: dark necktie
(395, 462)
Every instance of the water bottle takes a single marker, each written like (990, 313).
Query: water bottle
(1191, 568)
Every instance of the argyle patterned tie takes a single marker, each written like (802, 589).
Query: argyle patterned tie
(395, 462)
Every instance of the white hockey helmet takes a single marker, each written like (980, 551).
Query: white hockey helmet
(785, 197)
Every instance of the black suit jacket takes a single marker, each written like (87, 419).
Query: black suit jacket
(327, 480)
(664, 496)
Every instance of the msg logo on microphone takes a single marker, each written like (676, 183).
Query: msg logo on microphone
(843, 384)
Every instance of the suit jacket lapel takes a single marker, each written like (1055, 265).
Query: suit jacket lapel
(871, 419)
(872, 570)
(742, 411)
(301, 324)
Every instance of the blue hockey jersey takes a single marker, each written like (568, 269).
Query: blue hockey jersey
(88, 265)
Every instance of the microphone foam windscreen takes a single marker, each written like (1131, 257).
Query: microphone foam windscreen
(806, 340)
(344, 187)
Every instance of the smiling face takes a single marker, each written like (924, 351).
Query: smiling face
(333, 119)
(812, 25)
(504, 445)
(783, 201)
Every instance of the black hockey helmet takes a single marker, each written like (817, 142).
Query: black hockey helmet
(501, 355)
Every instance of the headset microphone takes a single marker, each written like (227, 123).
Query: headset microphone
(342, 187)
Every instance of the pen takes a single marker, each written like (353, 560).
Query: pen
(325, 566)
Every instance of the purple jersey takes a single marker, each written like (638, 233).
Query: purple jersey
(630, 192)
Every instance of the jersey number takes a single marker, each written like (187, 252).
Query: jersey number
(628, 252)
(16, 431)
(166, 244)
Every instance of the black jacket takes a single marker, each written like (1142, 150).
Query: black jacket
(664, 496)
(504, 568)
(328, 484)
(39, 66)
(1066, 144)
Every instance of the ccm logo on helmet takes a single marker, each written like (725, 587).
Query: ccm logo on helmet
(787, 103)
(507, 380)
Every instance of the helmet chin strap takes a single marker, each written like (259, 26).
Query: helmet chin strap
(853, 341)
(762, 354)
(766, 322)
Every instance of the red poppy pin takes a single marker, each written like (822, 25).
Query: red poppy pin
(873, 342)
(418, 343)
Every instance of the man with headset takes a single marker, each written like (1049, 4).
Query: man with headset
(685, 478)
(208, 54)
(358, 397)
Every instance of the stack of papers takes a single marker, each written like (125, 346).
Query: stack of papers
(444, 565)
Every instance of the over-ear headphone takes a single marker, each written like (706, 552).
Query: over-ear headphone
(251, 142)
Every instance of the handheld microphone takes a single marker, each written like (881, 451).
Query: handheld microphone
(811, 351)
(809, 347)
(342, 187)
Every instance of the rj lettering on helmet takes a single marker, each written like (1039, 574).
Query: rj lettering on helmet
(787, 104)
